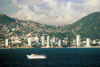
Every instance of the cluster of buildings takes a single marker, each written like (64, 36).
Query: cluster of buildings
(54, 42)
(79, 42)
(45, 43)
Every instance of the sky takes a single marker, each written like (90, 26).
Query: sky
(50, 12)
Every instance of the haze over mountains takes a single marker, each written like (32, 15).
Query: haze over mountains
(88, 26)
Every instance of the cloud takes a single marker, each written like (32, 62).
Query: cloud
(32, 2)
(14, 1)
(56, 13)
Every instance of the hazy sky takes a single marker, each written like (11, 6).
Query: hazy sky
(52, 12)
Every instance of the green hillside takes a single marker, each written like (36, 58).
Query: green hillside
(88, 26)
(5, 19)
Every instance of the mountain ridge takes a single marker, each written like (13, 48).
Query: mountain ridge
(4, 19)
(87, 26)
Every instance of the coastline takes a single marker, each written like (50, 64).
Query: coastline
(84, 47)
(53, 47)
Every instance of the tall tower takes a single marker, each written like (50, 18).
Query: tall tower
(6, 42)
(88, 42)
(63, 42)
(36, 40)
(78, 40)
(48, 41)
(54, 39)
(43, 40)
(29, 41)
(59, 43)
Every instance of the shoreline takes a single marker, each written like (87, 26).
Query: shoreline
(54, 47)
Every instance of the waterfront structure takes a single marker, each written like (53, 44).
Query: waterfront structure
(88, 42)
(73, 43)
(16, 42)
(78, 40)
(36, 40)
(63, 42)
(94, 42)
(54, 39)
(59, 43)
(29, 41)
(66, 42)
(43, 40)
(6, 42)
(99, 42)
(48, 41)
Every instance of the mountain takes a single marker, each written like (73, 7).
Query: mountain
(15, 27)
(5, 19)
(88, 26)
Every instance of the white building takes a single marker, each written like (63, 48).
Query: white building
(29, 41)
(16, 42)
(6, 42)
(63, 42)
(48, 41)
(88, 42)
(36, 40)
(59, 43)
(54, 39)
(94, 42)
(43, 40)
(66, 38)
(78, 40)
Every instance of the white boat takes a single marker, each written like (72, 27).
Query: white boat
(35, 56)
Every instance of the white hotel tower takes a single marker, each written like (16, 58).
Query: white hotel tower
(88, 42)
(78, 40)
(59, 43)
(63, 42)
(6, 42)
(43, 40)
(48, 41)
(36, 40)
(29, 41)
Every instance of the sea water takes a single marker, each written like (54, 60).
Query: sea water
(56, 57)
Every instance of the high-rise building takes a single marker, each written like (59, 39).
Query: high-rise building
(48, 41)
(88, 42)
(54, 39)
(36, 40)
(78, 40)
(6, 42)
(59, 43)
(29, 41)
(63, 42)
(43, 40)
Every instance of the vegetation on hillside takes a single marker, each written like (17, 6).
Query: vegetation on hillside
(5, 19)
(63, 35)
(87, 27)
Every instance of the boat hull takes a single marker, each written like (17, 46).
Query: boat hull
(36, 57)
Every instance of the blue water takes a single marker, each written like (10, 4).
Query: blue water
(56, 57)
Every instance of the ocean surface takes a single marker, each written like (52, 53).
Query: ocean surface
(56, 57)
